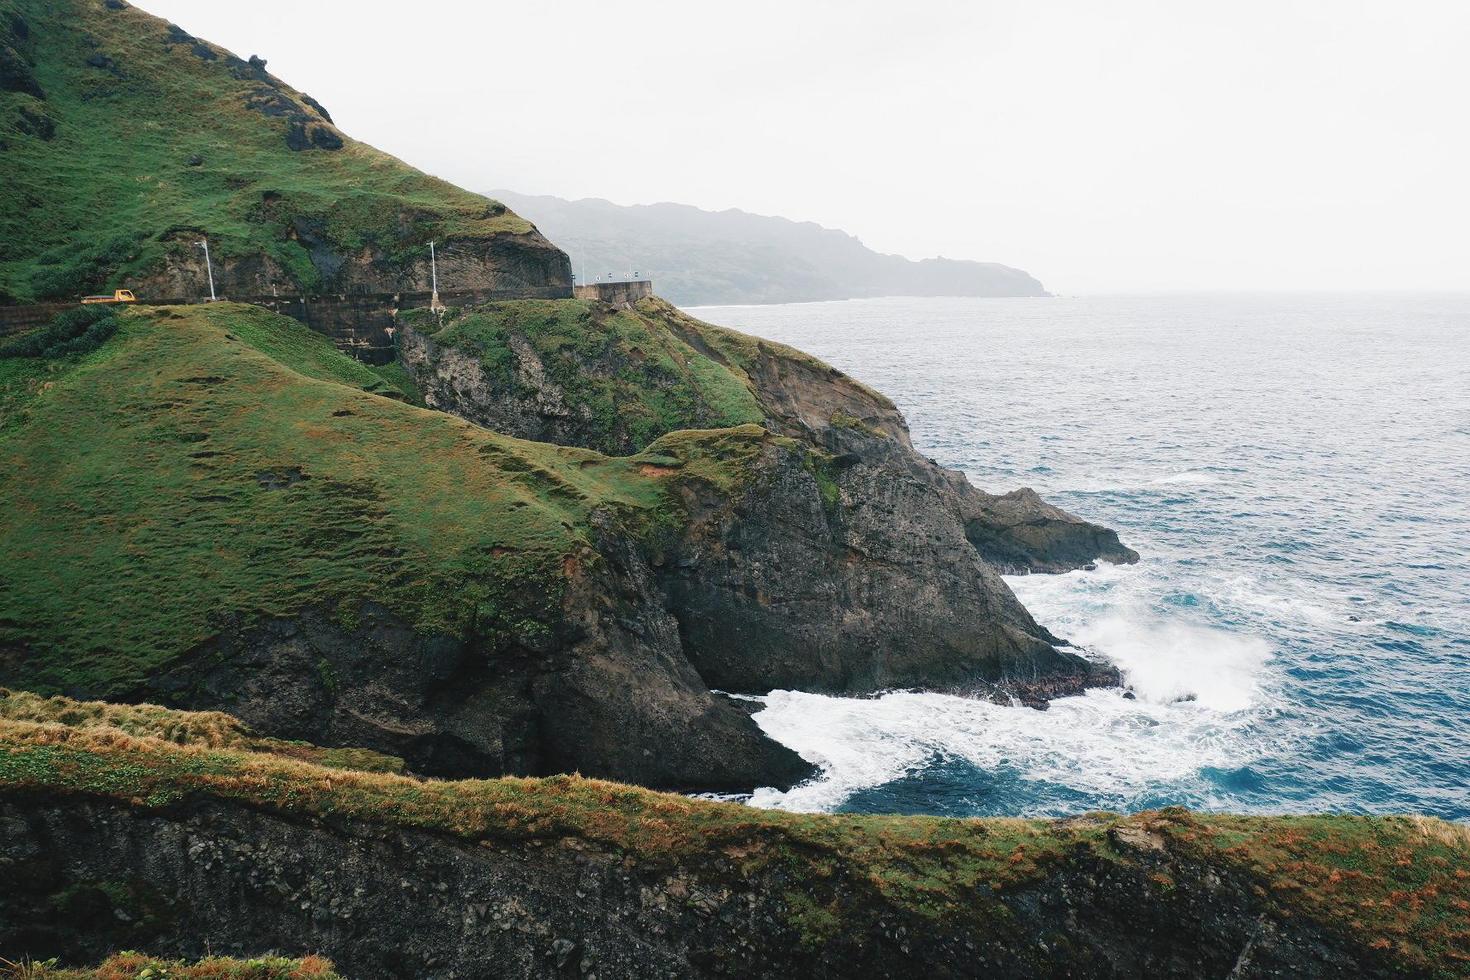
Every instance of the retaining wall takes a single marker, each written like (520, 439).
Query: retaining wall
(616, 293)
(360, 324)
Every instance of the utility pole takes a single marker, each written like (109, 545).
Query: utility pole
(434, 303)
(208, 265)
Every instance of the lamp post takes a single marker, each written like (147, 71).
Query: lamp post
(208, 265)
(434, 303)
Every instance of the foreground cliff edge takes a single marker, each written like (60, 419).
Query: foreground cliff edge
(180, 833)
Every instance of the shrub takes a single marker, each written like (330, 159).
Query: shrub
(76, 331)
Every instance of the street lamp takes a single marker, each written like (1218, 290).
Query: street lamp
(434, 303)
(208, 265)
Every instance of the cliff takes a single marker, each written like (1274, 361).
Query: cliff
(217, 509)
(177, 849)
(212, 510)
(698, 257)
(126, 140)
(871, 526)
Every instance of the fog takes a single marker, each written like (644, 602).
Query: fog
(1132, 145)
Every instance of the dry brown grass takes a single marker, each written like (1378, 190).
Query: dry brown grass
(199, 729)
(136, 966)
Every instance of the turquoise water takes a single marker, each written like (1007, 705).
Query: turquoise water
(1295, 471)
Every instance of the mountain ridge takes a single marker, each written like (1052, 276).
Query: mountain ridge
(699, 257)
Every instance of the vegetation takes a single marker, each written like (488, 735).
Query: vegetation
(1399, 884)
(76, 331)
(213, 465)
(212, 729)
(623, 375)
(629, 376)
(125, 139)
(742, 353)
(136, 966)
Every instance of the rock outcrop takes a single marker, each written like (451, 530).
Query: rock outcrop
(850, 563)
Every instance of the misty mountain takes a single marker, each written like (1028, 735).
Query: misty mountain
(698, 257)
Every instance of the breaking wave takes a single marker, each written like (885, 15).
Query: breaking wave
(1195, 699)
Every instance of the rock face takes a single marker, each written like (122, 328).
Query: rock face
(850, 563)
(839, 574)
(87, 877)
(1015, 532)
(609, 691)
(509, 261)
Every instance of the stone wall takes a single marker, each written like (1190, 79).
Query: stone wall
(617, 293)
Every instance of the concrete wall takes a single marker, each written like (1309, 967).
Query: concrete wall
(616, 293)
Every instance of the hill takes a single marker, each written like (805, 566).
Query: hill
(698, 257)
(539, 541)
(125, 140)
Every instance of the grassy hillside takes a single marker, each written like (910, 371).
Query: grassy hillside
(217, 461)
(1399, 885)
(579, 373)
(124, 139)
(621, 376)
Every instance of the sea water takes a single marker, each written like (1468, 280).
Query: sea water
(1295, 472)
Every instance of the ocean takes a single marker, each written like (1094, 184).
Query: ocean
(1295, 472)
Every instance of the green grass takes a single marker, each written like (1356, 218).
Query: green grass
(742, 353)
(104, 200)
(303, 351)
(1396, 884)
(217, 464)
(625, 373)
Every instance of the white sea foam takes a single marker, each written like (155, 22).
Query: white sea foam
(1198, 702)
(1189, 477)
(1100, 743)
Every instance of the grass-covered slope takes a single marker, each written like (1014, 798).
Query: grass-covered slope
(124, 139)
(587, 374)
(217, 463)
(211, 729)
(573, 372)
(1394, 890)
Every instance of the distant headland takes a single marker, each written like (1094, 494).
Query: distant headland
(707, 258)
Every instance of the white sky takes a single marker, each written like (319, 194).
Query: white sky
(1102, 146)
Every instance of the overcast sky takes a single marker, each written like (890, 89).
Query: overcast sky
(1125, 145)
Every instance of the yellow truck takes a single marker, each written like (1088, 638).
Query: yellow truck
(118, 296)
